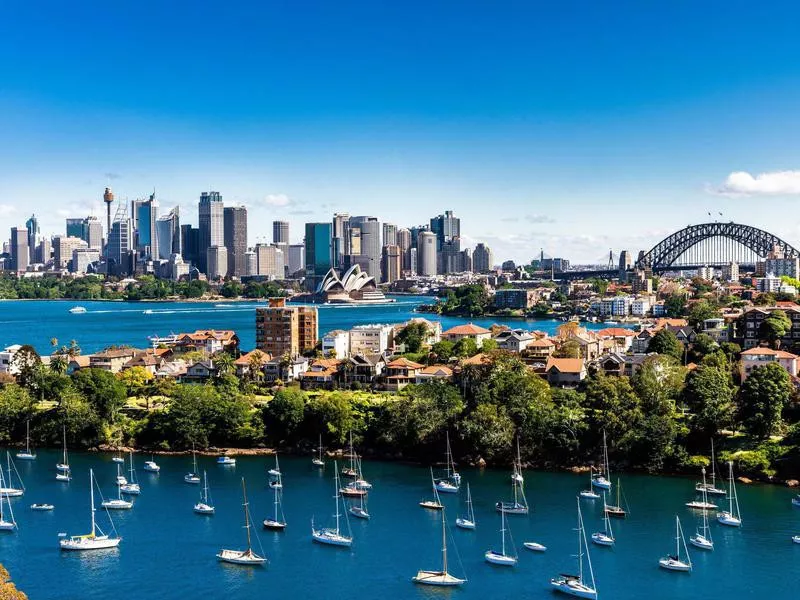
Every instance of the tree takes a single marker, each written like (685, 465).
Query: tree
(27, 363)
(223, 364)
(568, 349)
(413, 336)
(675, 305)
(105, 393)
(762, 398)
(16, 406)
(709, 395)
(488, 431)
(613, 407)
(666, 342)
(703, 345)
(465, 347)
(442, 350)
(700, 311)
(775, 326)
(489, 346)
(135, 380)
(284, 414)
(567, 330)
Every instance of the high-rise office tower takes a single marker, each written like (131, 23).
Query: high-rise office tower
(451, 259)
(235, 237)
(317, 252)
(190, 242)
(446, 227)
(32, 227)
(482, 258)
(120, 243)
(280, 232)
(426, 254)
(270, 261)
(217, 260)
(389, 234)
(144, 214)
(43, 251)
(93, 231)
(75, 228)
(404, 242)
(63, 247)
(370, 243)
(341, 239)
(211, 225)
(168, 234)
(353, 244)
(20, 256)
(392, 263)
(296, 260)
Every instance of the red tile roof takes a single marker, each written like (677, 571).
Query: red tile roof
(565, 365)
(616, 332)
(768, 352)
(468, 329)
(403, 363)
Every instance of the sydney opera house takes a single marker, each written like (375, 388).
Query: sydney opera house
(354, 287)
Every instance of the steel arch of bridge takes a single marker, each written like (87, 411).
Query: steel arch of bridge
(668, 250)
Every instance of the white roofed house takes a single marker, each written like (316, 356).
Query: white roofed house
(515, 340)
(7, 359)
(336, 344)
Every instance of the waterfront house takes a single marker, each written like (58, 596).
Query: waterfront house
(199, 372)
(336, 344)
(433, 372)
(76, 363)
(514, 340)
(324, 373)
(616, 363)
(400, 373)
(209, 341)
(565, 372)
(541, 348)
(244, 363)
(175, 369)
(588, 343)
(475, 332)
(7, 359)
(278, 369)
(616, 339)
(758, 357)
(363, 368)
(148, 360)
(112, 359)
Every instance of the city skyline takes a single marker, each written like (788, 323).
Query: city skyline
(583, 137)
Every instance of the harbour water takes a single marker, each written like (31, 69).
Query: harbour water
(104, 324)
(168, 552)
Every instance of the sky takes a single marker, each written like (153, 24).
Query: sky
(573, 126)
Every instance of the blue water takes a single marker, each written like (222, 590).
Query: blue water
(104, 324)
(168, 552)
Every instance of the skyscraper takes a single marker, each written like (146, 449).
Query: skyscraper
(235, 237)
(168, 234)
(446, 227)
(318, 253)
(341, 238)
(75, 228)
(280, 232)
(482, 258)
(190, 242)
(20, 256)
(270, 261)
(211, 225)
(120, 244)
(389, 234)
(392, 263)
(370, 243)
(145, 216)
(32, 226)
(296, 260)
(426, 254)
(404, 242)
(93, 232)
(217, 261)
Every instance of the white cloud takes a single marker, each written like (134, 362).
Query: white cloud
(7, 209)
(742, 183)
(277, 200)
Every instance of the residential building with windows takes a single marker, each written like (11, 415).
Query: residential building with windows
(336, 344)
(475, 332)
(758, 357)
(282, 329)
(371, 339)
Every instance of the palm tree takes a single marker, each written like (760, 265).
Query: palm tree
(223, 363)
(255, 365)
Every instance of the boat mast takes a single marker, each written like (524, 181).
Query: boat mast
(713, 467)
(705, 503)
(275, 489)
(336, 495)
(246, 517)
(91, 497)
(580, 544)
(469, 505)
(65, 444)
(28, 436)
(734, 496)
(444, 547)
(503, 530)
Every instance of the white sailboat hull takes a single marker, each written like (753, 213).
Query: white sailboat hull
(359, 512)
(119, 460)
(330, 537)
(573, 587)
(710, 490)
(62, 467)
(317, 462)
(672, 564)
(7, 526)
(796, 501)
(100, 542)
(796, 539)
(203, 509)
(500, 559)
(42, 507)
(465, 523)
(274, 525)
(701, 542)
(25, 456)
(446, 487)
(63, 476)
(590, 495)
(726, 518)
(11, 492)
(192, 479)
(437, 578)
(601, 483)
(132, 489)
(117, 504)
(511, 508)
(241, 557)
(701, 505)
(602, 539)
(151, 467)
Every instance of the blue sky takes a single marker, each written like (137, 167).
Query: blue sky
(572, 126)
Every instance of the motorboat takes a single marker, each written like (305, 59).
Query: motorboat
(534, 546)
(77, 310)
(42, 507)
(226, 461)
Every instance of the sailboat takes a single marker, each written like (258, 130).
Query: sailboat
(602, 479)
(91, 541)
(520, 504)
(702, 489)
(7, 520)
(278, 522)
(204, 507)
(192, 477)
(467, 522)
(574, 585)
(333, 537)
(436, 503)
(796, 500)
(276, 472)
(62, 468)
(242, 557)
(589, 493)
(731, 517)
(7, 487)
(439, 578)
(360, 510)
(131, 487)
(118, 459)
(452, 480)
(516, 475)
(616, 511)
(674, 562)
(120, 479)
(711, 488)
(27, 454)
(151, 465)
(317, 460)
(351, 470)
(117, 503)
(605, 537)
(501, 558)
(360, 483)
(702, 538)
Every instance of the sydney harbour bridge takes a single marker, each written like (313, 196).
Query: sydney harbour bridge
(707, 244)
